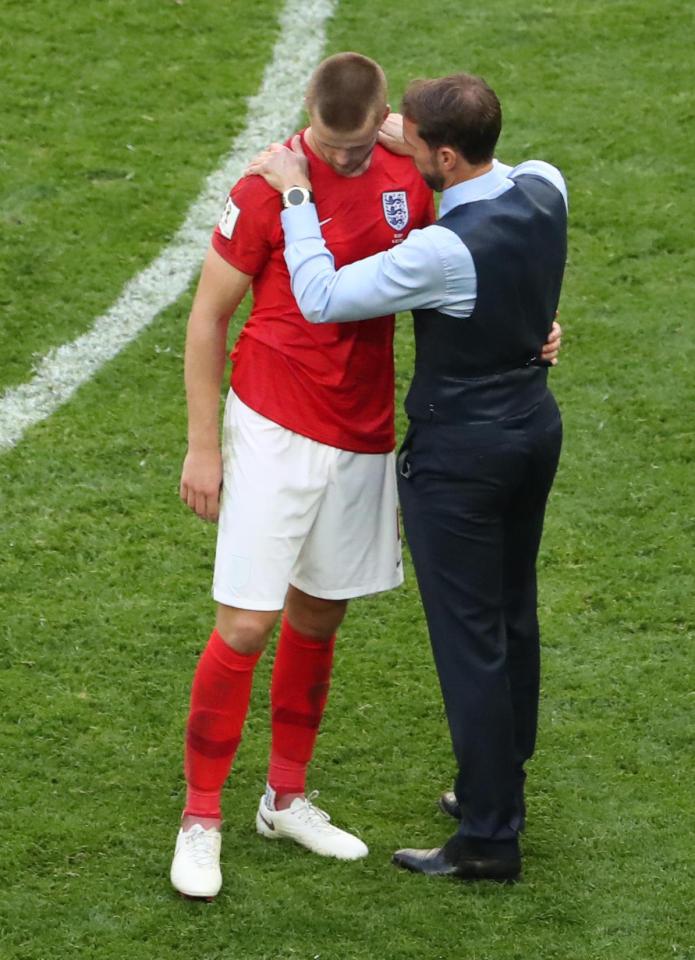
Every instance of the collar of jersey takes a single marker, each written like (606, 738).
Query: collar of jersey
(315, 160)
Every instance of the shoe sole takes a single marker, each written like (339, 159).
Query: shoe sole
(473, 877)
(190, 896)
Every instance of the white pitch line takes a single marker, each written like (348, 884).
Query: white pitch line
(272, 113)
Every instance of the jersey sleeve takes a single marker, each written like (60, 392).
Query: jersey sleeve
(244, 235)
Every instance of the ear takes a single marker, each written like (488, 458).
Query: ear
(448, 157)
(387, 111)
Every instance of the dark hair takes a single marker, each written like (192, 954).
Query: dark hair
(345, 90)
(460, 111)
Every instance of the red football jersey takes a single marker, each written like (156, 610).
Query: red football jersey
(331, 382)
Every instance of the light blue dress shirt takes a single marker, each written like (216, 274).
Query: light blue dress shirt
(432, 268)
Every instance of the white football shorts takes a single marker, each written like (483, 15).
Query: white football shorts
(295, 511)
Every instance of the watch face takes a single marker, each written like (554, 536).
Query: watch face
(296, 196)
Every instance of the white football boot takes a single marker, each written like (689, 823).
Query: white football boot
(309, 826)
(195, 869)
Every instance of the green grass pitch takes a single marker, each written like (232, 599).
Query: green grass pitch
(113, 112)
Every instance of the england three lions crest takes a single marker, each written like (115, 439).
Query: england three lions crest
(396, 208)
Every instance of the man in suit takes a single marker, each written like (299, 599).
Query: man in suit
(481, 451)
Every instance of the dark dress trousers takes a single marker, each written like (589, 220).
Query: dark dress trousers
(475, 470)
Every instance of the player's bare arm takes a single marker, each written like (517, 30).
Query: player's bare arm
(220, 291)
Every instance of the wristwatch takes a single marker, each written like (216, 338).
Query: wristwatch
(296, 197)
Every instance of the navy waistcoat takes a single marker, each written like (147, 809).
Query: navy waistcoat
(485, 366)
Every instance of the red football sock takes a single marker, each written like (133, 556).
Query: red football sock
(301, 677)
(219, 702)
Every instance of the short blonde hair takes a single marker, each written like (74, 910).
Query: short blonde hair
(346, 90)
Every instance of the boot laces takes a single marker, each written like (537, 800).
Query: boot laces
(309, 813)
(202, 845)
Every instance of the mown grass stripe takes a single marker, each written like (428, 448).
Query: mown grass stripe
(271, 114)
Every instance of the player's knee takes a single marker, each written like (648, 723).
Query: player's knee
(246, 631)
(314, 616)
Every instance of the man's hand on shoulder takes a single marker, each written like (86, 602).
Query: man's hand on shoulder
(391, 135)
(281, 167)
(201, 482)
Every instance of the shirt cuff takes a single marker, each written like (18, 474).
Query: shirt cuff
(300, 223)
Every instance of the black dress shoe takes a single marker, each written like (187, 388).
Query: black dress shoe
(449, 805)
(465, 858)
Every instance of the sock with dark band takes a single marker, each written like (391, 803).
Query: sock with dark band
(299, 690)
(219, 703)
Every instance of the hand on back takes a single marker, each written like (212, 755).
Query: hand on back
(551, 348)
